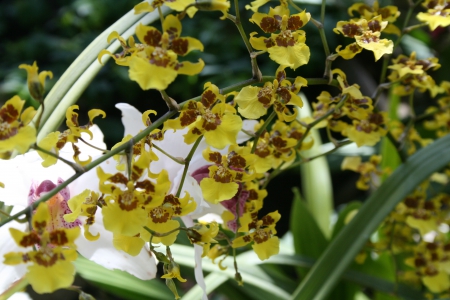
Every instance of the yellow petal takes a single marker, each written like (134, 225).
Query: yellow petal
(293, 57)
(49, 279)
(149, 76)
(129, 244)
(268, 248)
(216, 192)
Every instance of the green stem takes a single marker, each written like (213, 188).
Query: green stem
(187, 161)
(92, 146)
(77, 168)
(321, 118)
(411, 28)
(157, 234)
(177, 160)
(278, 171)
(432, 113)
(161, 16)
(172, 104)
(261, 130)
(273, 174)
(318, 24)
(237, 21)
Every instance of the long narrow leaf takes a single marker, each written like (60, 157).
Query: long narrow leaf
(376, 283)
(121, 283)
(316, 179)
(342, 250)
(251, 273)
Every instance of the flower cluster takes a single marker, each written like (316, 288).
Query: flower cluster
(201, 171)
(367, 36)
(156, 54)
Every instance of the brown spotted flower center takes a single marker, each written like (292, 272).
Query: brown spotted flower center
(159, 57)
(261, 236)
(159, 215)
(211, 120)
(6, 131)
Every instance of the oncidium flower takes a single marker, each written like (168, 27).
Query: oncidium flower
(388, 13)
(412, 74)
(55, 141)
(203, 234)
(254, 101)
(36, 82)
(438, 13)
(367, 126)
(261, 233)
(177, 5)
(216, 120)
(16, 132)
(154, 64)
(226, 172)
(369, 171)
(367, 35)
(160, 218)
(287, 47)
(51, 267)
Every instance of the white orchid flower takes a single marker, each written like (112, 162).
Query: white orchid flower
(173, 143)
(26, 180)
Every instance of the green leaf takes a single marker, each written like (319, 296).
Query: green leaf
(80, 73)
(247, 263)
(342, 250)
(354, 276)
(340, 223)
(389, 154)
(316, 179)
(121, 283)
(308, 238)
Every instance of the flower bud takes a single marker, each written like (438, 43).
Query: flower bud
(36, 82)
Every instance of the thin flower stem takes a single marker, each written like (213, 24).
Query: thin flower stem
(379, 90)
(237, 21)
(186, 164)
(322, 11)
(172, 104)
(410, 124)
(278, 171)
(92, 146)
(411, 105)
(413, 27)
(238, 24)
(432, 113)
(249, 133)
(261, 130)
(398, 146)
(157, 234)
(77, 168)
(273, 174)
(318, 24)
(177, 160)
(161, 16)
(321, 118)
(320, 27)
(38, 122)
(237, 274)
